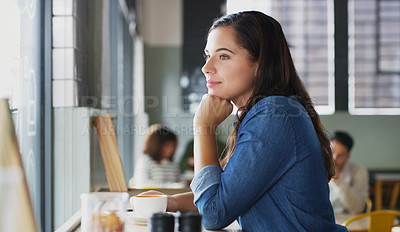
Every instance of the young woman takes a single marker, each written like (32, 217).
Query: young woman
(276, 171)
(156, 167)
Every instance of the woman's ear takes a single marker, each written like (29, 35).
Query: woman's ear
(256, 70)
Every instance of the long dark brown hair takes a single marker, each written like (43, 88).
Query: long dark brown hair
(263, 38)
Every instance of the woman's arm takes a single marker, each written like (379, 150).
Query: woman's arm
(177, 202)
(181, 202)
(205, 148)
(210, 113)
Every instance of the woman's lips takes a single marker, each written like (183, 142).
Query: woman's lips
(211, 84)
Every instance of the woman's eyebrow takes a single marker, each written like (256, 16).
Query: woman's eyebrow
(220, 49)
(224, 49)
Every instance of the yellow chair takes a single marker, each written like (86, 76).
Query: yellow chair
(368, 202)
(379, 221)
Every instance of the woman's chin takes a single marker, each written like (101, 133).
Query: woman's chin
(215, 93)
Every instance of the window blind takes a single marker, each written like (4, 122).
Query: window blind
(374, 57)
(309, 30)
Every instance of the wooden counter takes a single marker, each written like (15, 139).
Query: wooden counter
(74, 223)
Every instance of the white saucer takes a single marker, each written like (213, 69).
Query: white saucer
(139, 223)
(132, 217)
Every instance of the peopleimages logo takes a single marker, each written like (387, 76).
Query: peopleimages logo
(170, 109)
(131, 106)
(183, 129)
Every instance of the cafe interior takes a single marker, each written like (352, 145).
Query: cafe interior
(82, 80)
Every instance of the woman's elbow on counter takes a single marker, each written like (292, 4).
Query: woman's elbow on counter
(214, 214)
(212, 224)
(213, 220)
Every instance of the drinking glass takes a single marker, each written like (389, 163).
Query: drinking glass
(103, 211)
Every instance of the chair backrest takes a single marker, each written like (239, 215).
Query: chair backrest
(110, 154)
(380, 220)
(368, 202)
(11, 157)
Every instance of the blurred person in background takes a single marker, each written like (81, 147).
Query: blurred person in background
(349, 187)
(155, 167)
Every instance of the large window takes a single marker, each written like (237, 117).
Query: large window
(197, 17)
(374, 55)
(308, 27)
(121, 83)
(21, 81)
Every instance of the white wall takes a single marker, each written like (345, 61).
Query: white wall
(162, 22)
(77, 160)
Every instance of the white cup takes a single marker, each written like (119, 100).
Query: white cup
(147, 205)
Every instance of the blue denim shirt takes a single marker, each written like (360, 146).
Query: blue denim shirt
(275, 179)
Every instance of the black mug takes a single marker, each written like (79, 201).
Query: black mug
(162, 222)
(190, 222)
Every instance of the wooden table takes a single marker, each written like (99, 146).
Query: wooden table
(234, 227)
(74, 225)
(386, 178)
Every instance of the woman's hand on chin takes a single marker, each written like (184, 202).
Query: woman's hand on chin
(212, 111)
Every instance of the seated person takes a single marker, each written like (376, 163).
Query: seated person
(349, 187)
(155, 167)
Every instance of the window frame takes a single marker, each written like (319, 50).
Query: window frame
(353, 109)
(47, 119)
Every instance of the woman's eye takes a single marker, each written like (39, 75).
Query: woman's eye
(223, 57)
(206, 57)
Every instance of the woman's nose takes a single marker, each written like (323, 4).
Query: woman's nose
(208, 68)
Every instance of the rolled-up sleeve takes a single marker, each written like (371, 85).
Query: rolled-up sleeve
(205, 179)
